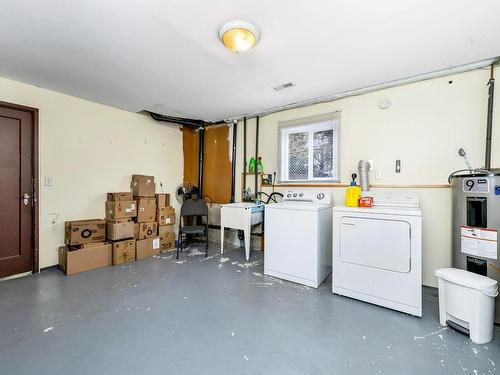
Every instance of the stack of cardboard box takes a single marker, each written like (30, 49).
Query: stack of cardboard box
(85, 247)
(165, 216)
(121, 209)
(146, 228)
(133, 220)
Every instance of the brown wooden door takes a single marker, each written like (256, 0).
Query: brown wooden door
(16, 180)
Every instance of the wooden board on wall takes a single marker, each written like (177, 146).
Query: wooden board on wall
(217, 169)
(190, 149)
(217, 166)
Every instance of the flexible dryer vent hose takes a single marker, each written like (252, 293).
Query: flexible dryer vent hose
(363, 168)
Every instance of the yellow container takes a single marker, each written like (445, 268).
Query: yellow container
(352, 195)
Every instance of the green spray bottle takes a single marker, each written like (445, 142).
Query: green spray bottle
(260, 165)
(251, 165)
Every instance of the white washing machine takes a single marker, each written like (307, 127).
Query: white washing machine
(298, 237)
(377, 252)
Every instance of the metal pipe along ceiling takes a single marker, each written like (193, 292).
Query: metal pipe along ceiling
(190, 123)
(367, 89)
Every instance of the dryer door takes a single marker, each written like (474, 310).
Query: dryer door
(378, 243)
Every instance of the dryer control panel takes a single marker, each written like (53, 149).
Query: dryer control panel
(308, 196)
(393, 198)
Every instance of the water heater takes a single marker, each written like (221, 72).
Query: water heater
(476, 223)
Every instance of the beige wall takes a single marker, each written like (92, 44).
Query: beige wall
(90, 149)
(425, 125)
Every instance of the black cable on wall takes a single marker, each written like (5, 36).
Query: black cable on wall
(244, 184)
(233, 161)
(256, 155)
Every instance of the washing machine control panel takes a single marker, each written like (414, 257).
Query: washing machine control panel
(308, 196)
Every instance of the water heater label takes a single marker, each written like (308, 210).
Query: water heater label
(481, 242)
(476, 185)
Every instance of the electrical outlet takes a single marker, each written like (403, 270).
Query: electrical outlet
(378, 175)
(47, 181)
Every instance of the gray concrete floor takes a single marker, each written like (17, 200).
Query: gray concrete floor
(219, 315)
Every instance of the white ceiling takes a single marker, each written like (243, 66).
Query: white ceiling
(164, 55)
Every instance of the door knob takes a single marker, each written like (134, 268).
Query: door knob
(26, 199)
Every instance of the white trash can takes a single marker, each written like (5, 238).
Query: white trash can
(467, 300)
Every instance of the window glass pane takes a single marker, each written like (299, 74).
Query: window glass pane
(298, 154)
(323, 154)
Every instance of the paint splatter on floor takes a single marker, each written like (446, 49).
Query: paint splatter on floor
(429, 334)
(447, 350)
(196, 252)
(263, 284)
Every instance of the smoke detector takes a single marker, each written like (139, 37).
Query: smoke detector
(384, 103)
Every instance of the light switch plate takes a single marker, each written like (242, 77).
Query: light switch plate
(378, 175)
(47, 181)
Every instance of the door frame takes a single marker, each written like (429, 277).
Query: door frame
(35, 213)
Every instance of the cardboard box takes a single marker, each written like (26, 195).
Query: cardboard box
(136, 231)
(148, 247)
(162, 200)
(167, 237)
(147, 230)
(84, 231)
(123, 251)
(119, 231)
(143, 178)
(87, 245)
(75, 261)
(121, 196)
(165, 216)
(143, 186)
(146, 210)
(143, 189)
(119, 221)
(120, 209)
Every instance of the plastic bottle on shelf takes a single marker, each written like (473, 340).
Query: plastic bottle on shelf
(251, 165)
(260, 165)
(353, 193)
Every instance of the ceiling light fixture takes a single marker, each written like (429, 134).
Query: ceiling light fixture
(238, 35)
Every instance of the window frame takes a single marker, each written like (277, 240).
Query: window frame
(310, 125)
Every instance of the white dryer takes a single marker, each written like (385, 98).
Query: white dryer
(298, 237)
(377, 252)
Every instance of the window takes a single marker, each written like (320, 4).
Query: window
(309, 149)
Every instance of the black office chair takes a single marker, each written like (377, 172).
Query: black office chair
(198, 208)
